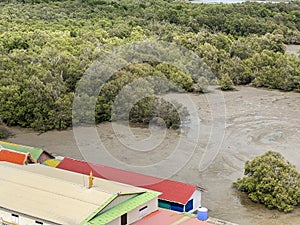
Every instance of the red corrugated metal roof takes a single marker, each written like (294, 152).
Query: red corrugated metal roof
(169, 217)
(171, 190)
(13, 157)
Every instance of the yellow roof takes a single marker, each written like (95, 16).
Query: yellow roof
(54, 195)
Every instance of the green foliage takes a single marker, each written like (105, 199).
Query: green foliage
(201, 85)
(159, 112)
(272, 181)
(273, 70)
(117, 95)
(179, 78)
(226, 83)
(246, 47)
(47, 45)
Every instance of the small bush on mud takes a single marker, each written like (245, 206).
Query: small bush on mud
(226, 83)
(272, 181)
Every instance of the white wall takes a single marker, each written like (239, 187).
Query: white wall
(134, 215)
(22, 219)
(196, 199)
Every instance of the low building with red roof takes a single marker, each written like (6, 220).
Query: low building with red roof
(175, 195)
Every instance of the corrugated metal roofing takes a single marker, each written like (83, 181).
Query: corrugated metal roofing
(55, 195)
(47, 198)
(167, 217)
(13, 157)
(34, 152)
(79, 179)
(123, 208)
(171, 190)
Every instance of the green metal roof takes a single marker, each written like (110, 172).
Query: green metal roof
(84, 222)
(34, 152)
(122, 208)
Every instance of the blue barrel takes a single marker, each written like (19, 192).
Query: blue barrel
(202, 213)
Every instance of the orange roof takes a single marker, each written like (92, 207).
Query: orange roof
(13, 157)
(169, 217)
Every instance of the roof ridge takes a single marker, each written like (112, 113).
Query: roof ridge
(168, 188)
(150, 176)
(45, 189)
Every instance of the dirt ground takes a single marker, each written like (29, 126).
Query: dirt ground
(294, 49)
(256, 120)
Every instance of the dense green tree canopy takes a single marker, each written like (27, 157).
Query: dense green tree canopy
(272, 181)
(46, 46)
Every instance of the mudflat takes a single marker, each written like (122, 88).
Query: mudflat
(257, 120)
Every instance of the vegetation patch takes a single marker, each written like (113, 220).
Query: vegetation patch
(271, 180)
(46, 46)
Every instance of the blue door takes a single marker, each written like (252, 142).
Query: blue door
(189, 205)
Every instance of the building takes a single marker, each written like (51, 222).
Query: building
(162, 216)
(51, 162)
(37, 194)
(174, 195)
(37, 154)
(15, 157)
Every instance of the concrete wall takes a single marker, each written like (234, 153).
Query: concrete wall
(136, 214)
(22, 219)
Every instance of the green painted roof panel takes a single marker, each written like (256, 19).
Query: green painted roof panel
(34, 152)
(90, 217)
(123, 208)
(51, 162)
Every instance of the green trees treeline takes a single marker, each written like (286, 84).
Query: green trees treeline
(46, 46)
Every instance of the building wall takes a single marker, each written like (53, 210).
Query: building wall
(179, 207)
(197, 199)
(136, 214)
(22, 219)
(164, 204)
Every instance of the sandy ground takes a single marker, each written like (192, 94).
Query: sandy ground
(256, 120)
(294, 49)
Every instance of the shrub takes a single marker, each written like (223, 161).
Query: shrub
(226, 83)
(272, 181)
